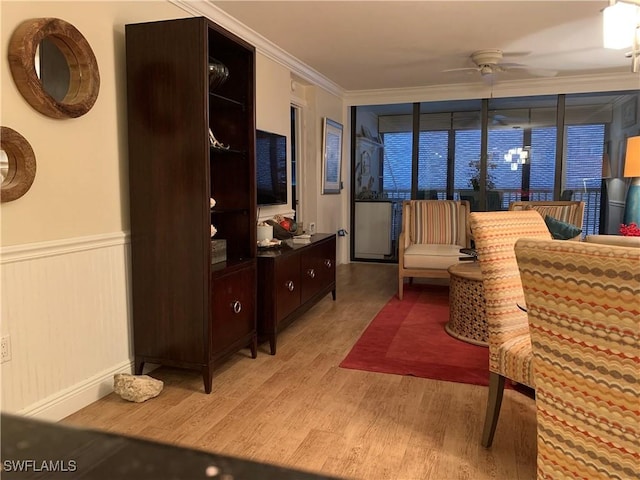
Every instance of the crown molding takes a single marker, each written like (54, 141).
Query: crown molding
(513, 88)
(263, 46)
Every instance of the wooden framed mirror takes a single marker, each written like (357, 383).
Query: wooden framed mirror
(17, 164)
(54, 67)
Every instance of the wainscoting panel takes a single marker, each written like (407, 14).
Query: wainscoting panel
(65, 306)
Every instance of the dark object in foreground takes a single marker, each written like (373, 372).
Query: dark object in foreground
(35, 449)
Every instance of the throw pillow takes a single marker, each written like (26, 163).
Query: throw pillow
(561, 230)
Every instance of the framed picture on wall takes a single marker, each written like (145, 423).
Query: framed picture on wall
(629, 112)
(331, 156)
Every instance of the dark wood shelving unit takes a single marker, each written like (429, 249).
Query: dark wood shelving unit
(188, 312)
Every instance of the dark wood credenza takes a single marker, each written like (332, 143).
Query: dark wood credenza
(291, 279)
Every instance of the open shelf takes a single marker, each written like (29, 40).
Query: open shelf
(220, 98)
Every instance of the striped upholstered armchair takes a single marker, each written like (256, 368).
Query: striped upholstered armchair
(433, 232)
(583, 302)
(567, 211)
(495, 235)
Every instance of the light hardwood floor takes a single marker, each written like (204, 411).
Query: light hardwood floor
(300, 410)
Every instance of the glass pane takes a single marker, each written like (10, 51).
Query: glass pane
(397, 165)
(521, 150)
(592, 124)
(583, 171)
(396, 129)
(542, 163)
(396, 178)
(432, 165)
(467, 165)
(506, 160)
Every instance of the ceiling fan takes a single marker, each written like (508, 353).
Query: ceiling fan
(489, 63)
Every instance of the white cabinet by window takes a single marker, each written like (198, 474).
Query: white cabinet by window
(373, 229)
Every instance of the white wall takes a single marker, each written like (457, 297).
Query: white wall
(272, 115)
(80, 183)
(328, 211)
(65, 255)
(274, 96)
(65, 247)
(65, 306)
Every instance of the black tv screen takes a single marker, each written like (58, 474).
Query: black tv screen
(271, 168)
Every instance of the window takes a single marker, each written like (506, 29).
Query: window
(549, 147)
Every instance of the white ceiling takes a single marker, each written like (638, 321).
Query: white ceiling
(399, 44)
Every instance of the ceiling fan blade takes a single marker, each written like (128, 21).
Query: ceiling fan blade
(463, 69)
(512, 65)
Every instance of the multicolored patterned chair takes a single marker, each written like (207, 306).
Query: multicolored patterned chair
(495, 235)
(583, 302)
(433, 232)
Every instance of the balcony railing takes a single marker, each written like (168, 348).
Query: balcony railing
(590, 197)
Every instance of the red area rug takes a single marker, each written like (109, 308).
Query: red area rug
(407, 337)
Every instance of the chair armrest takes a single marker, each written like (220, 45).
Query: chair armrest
(401, 244)
(618, 240)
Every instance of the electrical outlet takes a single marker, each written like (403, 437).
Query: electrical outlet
(5, 349)
(312, 228)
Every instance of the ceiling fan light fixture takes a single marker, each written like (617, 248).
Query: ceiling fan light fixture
(486, 69)
(619, 24)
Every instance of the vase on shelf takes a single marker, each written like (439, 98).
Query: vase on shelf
(218, 73)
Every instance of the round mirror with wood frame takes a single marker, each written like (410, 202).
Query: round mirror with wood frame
(21, 165)
(84, 77)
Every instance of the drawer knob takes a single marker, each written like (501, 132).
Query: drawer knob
(290, 286)
(311, 272)
(327, 263)
(237, 306)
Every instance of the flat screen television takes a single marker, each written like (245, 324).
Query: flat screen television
(271, 168)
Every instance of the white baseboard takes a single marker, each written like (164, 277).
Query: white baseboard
(68, 401)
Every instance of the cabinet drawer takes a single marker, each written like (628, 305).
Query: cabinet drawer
(318, 268)
(287, 285)
(233, 309)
